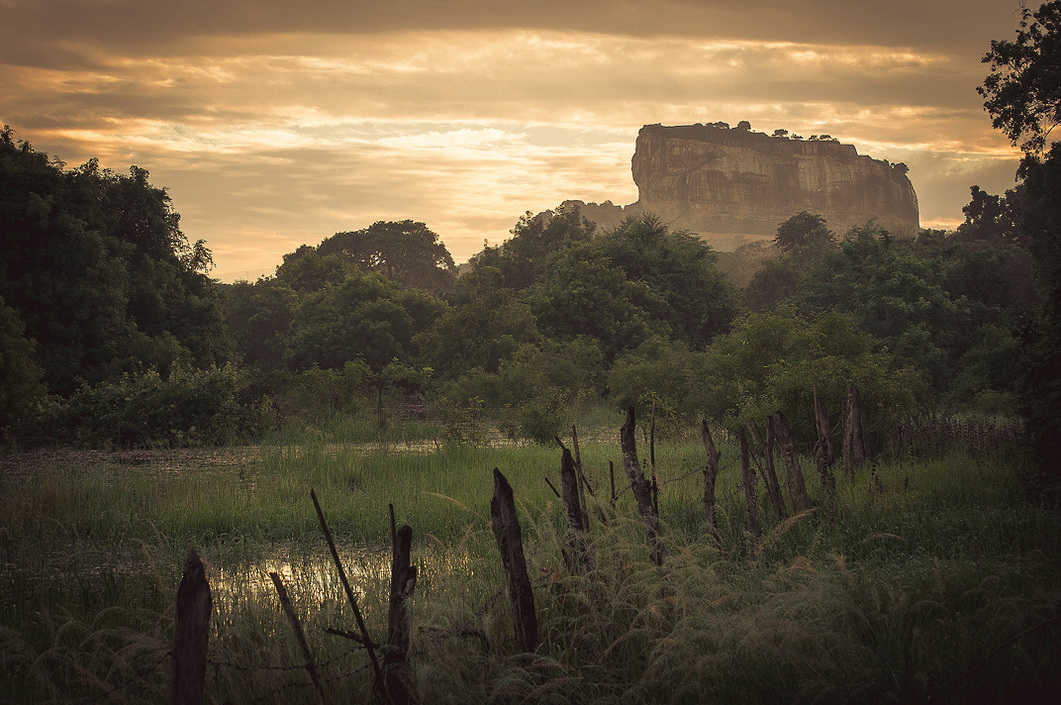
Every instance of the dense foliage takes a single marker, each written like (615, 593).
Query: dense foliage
(104, 302)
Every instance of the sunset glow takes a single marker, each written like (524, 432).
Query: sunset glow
(274, 125)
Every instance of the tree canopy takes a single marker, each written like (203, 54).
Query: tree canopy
(1023, 89)
(97, 269)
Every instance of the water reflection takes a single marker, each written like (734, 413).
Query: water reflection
(315, 576)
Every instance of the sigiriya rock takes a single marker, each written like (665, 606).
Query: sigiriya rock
(734, 184)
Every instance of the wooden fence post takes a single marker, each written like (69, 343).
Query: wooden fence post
(191, 633)
(751, 513)
(575, 549)
(797, 489)
(403, 582)
(823, 450)
(854, 441)
(710, 475)
(510, 543)
(773, 487)
(583, 483)
(641, 489)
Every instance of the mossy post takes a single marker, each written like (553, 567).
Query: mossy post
(505, 523)
(640, 486)
(797, 488)
(191, 632)
(773, 487)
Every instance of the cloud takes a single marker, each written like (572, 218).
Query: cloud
(275, 124)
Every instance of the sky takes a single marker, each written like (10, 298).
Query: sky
(276, 123)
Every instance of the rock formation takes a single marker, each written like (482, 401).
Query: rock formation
(733, 184)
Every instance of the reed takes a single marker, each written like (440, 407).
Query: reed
(934, 580)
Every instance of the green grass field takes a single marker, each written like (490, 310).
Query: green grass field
(935, 581)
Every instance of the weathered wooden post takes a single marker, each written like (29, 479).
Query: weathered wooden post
(751, 513)
(797, 489)
(710, 475)
(510, 543)
(854, 450)
(575, 548)
(583, 483)
(399, 633)
(191, 633)
(823, 449)
(641, 489)
(773, 487)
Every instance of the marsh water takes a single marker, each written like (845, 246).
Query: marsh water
(90, 557)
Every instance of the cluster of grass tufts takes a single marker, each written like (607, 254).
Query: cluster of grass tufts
(934, 581)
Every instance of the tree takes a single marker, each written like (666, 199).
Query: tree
(1023, 92)
(22, 387)
(804, 235)
(1023, 89)
(259, 317)
(306, 270)
(404, 251)
(583, 294)
(365, 316)
(98, 271)
(990, 217)
(770, 362)
(535, 240)
(679, 270)
(487, 325)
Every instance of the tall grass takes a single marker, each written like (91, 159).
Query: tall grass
(935, 581)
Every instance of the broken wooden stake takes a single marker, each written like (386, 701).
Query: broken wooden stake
(641, 489)
(399, 633)
(797, 488)
(505, 523)
(191, 632)
(575, 549)
(773, 487)
(823, 450)
(751, 504)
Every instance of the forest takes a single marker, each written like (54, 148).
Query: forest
(116, 337)
(610, 387)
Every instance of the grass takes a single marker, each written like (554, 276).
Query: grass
(936, 581)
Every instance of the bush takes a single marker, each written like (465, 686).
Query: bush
(189, 407)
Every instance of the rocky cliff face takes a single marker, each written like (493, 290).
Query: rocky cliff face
(729, 183)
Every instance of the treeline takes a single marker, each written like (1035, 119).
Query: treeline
(113, 334)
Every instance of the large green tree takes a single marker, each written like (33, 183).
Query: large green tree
(486, 325)
(405, 251)
(99, 272)
(1023, 89)
(535, 240)
(366, 316)
(1023, 96)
